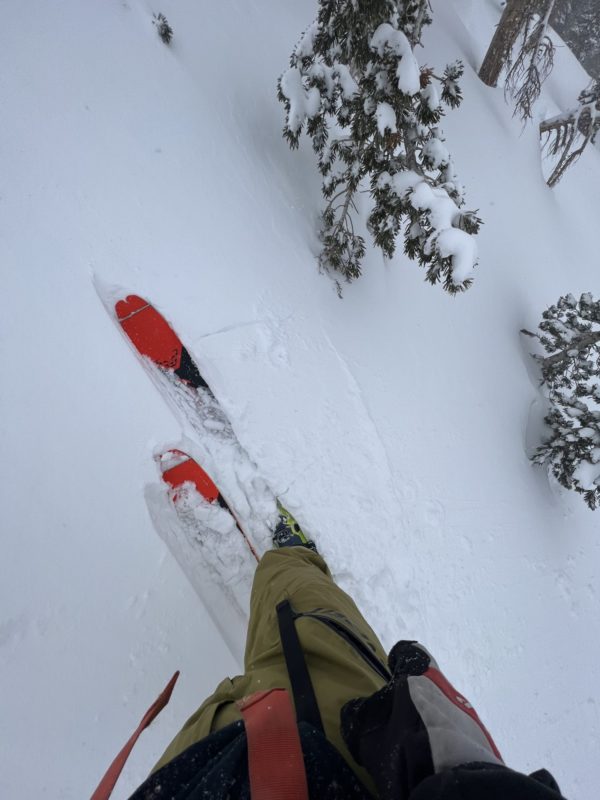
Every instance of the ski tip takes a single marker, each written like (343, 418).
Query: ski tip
(178, 468)
(171, 458)
(149, 332)
(130, 305)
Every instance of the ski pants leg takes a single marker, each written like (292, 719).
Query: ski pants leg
(338, 672)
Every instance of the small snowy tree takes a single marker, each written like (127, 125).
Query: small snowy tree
(570, 334)
(371, 112)
(565, 137)
(165, 31)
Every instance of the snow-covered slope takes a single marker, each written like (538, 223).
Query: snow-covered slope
(393, 422)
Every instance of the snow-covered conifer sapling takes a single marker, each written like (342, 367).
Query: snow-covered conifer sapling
(570, 335)
(373, 114)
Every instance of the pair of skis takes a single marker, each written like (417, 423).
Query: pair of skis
(216, 550)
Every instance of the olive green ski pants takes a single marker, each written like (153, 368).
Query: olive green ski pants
(337, 669)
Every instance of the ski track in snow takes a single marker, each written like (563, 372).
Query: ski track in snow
(383, 584)
(275, 339)
(358, 393)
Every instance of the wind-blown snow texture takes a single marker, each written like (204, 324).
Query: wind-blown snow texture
(394, 424)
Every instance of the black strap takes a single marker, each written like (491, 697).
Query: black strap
(307, 709)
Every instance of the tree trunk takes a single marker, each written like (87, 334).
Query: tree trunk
(416, 36)
(511, 23)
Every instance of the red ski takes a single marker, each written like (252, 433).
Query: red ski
(178, 468)
(152, 336)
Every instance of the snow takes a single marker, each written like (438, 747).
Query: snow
(394, 423)
(386, 118)
(403, 182)
(303, 102)
(587, 474)
(306, 46)
(461, 248)
(431, 96)
(388, 38)
(436, 152)
(347, 83)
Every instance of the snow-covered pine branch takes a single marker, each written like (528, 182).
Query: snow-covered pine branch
(568, 134)
(356, 88)
(570, 334)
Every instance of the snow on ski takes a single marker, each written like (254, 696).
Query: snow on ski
(201, 530)
(179, 469)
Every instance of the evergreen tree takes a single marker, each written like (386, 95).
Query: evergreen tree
(570, 334)
(371, 112)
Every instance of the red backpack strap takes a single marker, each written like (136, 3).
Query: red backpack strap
(275, 761)
(107, 784)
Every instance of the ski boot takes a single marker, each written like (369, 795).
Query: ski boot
(288, 533)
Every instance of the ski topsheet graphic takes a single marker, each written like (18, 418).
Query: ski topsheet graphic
(216, 547)
(152, 336)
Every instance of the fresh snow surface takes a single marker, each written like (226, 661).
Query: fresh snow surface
(395, 423)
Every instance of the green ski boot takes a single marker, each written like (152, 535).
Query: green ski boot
(288, 533)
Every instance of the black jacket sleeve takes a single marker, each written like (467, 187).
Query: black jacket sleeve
(489, 781)
(420, 739)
